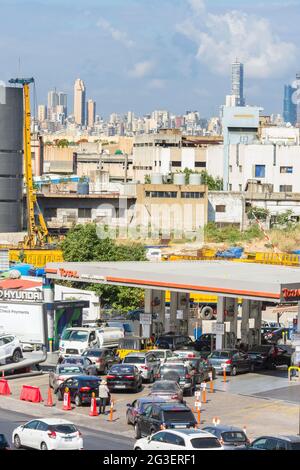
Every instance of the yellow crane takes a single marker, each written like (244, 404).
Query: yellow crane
(37, 231)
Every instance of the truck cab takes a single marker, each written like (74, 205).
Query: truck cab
(75, 341)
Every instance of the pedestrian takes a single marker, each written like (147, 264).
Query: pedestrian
(103, 396)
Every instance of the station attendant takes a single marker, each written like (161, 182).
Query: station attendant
(103, 396)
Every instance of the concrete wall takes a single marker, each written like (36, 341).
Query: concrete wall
(234, 208)
(11, 160)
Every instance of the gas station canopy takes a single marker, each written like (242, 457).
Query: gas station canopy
(222, 278)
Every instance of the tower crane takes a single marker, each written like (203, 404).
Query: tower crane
(37, 231)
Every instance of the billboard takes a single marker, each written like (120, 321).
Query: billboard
(27, 321)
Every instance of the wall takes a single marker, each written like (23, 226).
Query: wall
(234, 208)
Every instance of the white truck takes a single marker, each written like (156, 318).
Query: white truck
(75, 341)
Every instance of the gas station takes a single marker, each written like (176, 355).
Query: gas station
(253, 283)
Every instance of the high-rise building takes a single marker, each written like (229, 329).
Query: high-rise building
(237, 83)
(289, 106)
(53, 100)
(63, 101)
(91, 113)
(79, 102)
(42, 113)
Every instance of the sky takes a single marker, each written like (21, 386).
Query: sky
(141, 55)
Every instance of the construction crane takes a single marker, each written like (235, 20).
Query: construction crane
(37, 231)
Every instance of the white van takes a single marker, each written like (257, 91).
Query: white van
(75, 341)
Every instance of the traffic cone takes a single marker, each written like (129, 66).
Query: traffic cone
(93, 410)
(67, 400)
(50, 398)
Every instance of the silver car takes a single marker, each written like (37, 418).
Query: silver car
(63, 372)
(147, 364)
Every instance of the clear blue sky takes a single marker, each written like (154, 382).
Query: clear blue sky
(142, 55)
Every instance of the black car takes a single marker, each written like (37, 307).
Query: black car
(205, 343)
(4, 445)
(102, 359)
(124, 377)
(268, 356)
(229, 436)
(138, 406)
(173, 342)
(165, 416)
(81, 388)
(181, 372)
(275, 443)
(87, 365)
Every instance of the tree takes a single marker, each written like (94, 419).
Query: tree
(258, 213)
(285, 219)
(82, 244)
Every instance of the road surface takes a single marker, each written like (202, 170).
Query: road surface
(92, 440)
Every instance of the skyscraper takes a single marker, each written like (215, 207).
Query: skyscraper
(79, 102)
(53, 100)
(237, 83)
(289, 106)
(42, 112)
(63, 101)
(91, 113)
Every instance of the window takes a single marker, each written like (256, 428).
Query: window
(174, 439)
(200, 164)
(286, 188)
(32, 425)
(84, 213)
(286, 169)
(240, 187)
(260, 171)
(176, 164)
(205, 443)
(50, 212)
(230, 187)
(159, 437)
(42, 426)
(260, 443)
(192, 195)
(240, 168)
(220, 208)
(162, 194)
(230, 168)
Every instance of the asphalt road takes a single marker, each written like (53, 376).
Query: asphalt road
(92, 440)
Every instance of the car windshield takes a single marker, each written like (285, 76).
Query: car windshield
(159, 354)
(221, 354)
(205, 443)
(234, 436)
(164, 386)
(134, 360)
(71, 335)
(122, 370)
(94, 353)
(73, 360)
(179, 416)
(180, 370)
(69, 370)
(63, 428)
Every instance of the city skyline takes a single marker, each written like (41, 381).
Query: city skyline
(133, 58)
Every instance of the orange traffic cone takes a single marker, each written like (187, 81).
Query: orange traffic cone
(93, 410)
(67, 400)
(50, 398)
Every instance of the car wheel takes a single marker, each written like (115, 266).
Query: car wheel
(77, 400)
(44, 446)
(137, 448)
(137, 431)
(233, 371)
(17, 442)
(16, 356)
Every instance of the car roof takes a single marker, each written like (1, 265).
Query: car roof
(225, 428)
(136, 355)
(174, 407)
(191, 432)
(168, 382)
(150, 399)
(289, 438)
(86, 377)
(51, 420)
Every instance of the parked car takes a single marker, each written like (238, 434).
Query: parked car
(275, 443)
(62, 373)
(268, 356)
(87, 365)
(229, 437)
(147, 363)
(10, 348)
(167, 389)
(181, 373)
(124, 377)
(236, 361)
(274, 336)
(186, 353)
(162, 354)
(185, 439)
(102, 359)
(139, 405)
(81, 388)
(167, 415)
(4, 445)
(48, 434)
(173, 342)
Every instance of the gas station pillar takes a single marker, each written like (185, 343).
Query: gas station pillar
(220, 320)
(245, 321)
(179, 312)
(48, 290)
(155, 305)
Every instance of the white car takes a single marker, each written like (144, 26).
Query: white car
(48, 434)
(10, 348)
(185, 439)
(162, 354)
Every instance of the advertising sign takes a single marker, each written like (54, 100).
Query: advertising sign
(24, 295)
(27, 321)
(145, 318)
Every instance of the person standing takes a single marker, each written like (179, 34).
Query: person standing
(103, 396)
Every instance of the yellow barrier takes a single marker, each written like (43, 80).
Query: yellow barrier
(39, 258)
(293, 368)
